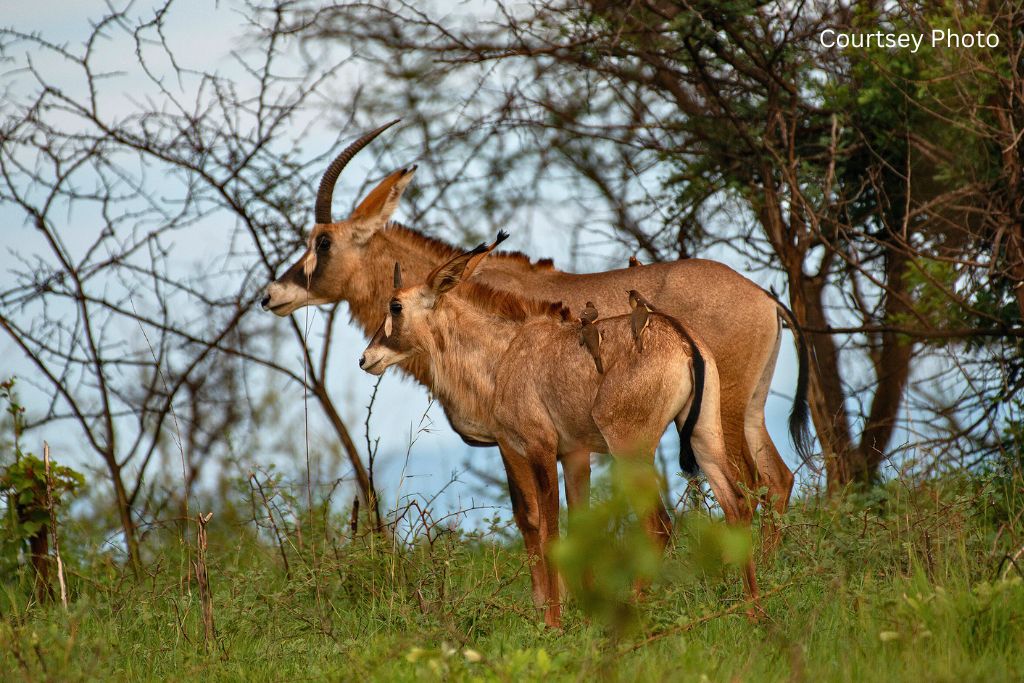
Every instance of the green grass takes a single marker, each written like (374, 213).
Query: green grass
(901, 584)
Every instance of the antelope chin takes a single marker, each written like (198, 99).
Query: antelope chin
(282, 309)
(378, 359)
(284, 299)
(376, 368)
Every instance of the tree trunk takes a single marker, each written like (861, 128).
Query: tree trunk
(826, 397)
(39, 552)
(892, 370)
(124, 510)
(1015, 252)
(1010, 118)
(825, 388)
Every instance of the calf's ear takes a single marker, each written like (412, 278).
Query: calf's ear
(477, 258)
(461, 267)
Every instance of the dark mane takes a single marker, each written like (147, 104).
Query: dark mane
(510, 305)
(442, 249)
(446, 251)
(539, 264)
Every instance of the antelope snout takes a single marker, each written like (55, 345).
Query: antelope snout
(373, 362)
(283, 298)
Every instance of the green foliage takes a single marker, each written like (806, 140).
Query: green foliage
(607, 555)
(906, 583)
(1010, 461)
(928, 282)
(23, 483)
(714, 548)
(607, 552)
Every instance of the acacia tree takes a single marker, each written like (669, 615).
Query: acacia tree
(823, 169)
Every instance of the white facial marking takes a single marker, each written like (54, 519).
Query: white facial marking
(310, 265)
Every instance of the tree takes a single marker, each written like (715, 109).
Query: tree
(818, 165)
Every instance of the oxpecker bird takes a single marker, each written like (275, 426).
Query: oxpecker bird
(589, 313)
(634, 262)
(640, 317)
(590, 336)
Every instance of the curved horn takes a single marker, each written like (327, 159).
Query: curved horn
(330, 177)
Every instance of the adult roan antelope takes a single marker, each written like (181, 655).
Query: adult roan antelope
(740, 323)
(516, 370)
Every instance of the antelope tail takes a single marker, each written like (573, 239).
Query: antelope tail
(687, 459)
(799, 416)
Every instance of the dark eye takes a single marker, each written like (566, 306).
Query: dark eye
(396, 308)
(323, 244)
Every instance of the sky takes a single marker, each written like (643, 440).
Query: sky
(206, 33)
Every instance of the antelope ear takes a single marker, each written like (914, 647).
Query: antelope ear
(449, 274)
(378, 206)
(476, 259)
(398, 275)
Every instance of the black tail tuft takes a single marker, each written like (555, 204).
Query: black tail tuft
(799, 416)
(687, 460)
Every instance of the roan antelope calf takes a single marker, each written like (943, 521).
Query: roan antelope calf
(517, 370)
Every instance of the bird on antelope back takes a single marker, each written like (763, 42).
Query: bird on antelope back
(634, 262)
(590, 335)
(640, 318)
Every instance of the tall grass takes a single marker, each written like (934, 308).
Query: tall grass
(906, 582)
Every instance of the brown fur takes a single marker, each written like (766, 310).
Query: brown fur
(510, 305)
